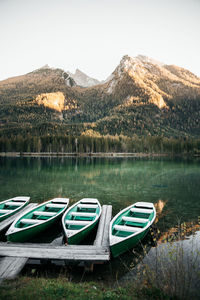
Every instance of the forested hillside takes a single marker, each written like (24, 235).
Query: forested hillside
(141, 98)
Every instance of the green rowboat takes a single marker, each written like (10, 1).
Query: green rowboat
(130, 226)
(12, 206)
(36, 220)
(80, 219)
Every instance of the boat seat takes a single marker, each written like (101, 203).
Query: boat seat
(94, 206)
(12, 203)
(79, 223)
(44, 213)
(83, 214)
(5, 211)
(71, 231)
(144, 204)
(135, 220)
(89, 200)
(141, 210)
(60, 200)
(31, 221)
(126, 228)
(52, 205)
(21, 199)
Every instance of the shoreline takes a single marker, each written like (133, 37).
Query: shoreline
(100, 154)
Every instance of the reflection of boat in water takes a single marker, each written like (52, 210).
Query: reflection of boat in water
(130, 225)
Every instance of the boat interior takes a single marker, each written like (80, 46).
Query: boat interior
(42, 213)
(10, 205)
(133, 220)
(82, 214)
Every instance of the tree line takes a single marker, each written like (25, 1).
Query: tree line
(104, 144)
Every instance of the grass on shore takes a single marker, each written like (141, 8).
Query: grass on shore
(28, 288)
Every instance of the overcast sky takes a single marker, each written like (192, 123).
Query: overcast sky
(93, 35)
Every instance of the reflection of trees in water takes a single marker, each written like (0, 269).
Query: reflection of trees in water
(116, 181)
(159, 206)
(180, 232)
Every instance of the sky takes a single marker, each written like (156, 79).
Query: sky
(93, 35)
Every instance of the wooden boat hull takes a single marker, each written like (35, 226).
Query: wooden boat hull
(130, 226)
(76, 236)
(5, 216)
(80, 236)
(126, 245)
(37, 220)
(23, 236)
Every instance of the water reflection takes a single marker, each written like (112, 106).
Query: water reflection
(172, 267)
(159, 206)
(173, 185)
(180, 232)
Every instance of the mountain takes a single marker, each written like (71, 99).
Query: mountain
(142, 79)
(83, 80)
(141, 97)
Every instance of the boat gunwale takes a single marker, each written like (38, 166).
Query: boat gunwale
(84, 227)
(16, 209)
(118, 240)
(12, 229)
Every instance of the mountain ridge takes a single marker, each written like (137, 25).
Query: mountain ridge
(141, 96)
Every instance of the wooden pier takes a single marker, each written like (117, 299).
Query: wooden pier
(14, 256)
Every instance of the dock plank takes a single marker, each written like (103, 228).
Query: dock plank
(105, 239)
(48, 246)
(10, 267)
(102, 237)
(64, 253)
(7, 222)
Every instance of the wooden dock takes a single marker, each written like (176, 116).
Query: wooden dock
(15, 255)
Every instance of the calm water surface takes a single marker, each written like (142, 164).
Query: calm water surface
(120, 182)
(173, 185)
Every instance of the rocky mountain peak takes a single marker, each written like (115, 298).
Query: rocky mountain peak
(45, 67)
(151, 81)
(138, 63)
(83, 80)
(79, 73)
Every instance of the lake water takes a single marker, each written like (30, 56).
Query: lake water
(116, 181)
(173, 185)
